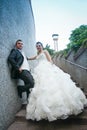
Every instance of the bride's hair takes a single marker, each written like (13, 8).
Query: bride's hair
(39, 43)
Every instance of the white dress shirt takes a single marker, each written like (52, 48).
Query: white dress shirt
(25, 65)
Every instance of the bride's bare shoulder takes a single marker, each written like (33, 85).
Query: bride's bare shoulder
(45, 51)
(47, 55)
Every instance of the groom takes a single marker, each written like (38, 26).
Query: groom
(20, 68)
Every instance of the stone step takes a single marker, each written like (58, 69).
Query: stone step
(45, 125)
(85, 94)
(81, 118)
(78, 122)
(77, 84)
(21, 116)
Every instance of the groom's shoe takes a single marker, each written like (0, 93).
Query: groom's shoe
(24, 102)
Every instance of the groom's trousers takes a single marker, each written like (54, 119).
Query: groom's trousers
(26, 76)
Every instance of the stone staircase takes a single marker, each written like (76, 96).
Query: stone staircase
(72, 123)
(78, 122)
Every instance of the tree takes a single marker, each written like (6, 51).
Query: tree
(51, 51)
(77, 37)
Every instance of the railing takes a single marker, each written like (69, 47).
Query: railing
(76, 65)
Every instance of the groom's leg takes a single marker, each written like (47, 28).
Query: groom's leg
(21, 89)
(28, 80)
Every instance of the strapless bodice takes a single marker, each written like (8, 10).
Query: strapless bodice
(41, 57)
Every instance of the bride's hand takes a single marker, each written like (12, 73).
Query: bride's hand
(31, 58)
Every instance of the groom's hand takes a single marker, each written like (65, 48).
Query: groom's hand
(20, 70)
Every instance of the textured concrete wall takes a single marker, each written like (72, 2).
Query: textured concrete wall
(77, 73)
(81, 60)
(16, 22)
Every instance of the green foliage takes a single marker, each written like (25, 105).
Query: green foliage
(51, 51)
(85, 43)
(62, 53)
(77, 37)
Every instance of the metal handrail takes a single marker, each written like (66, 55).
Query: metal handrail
(76, 65)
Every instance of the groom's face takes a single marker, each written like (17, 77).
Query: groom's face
(19, 45)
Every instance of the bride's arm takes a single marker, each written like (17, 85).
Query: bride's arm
(32, 58)
(48, 56)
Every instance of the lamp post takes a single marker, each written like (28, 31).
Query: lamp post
(55, 39)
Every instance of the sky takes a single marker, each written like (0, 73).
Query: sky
(58, 17)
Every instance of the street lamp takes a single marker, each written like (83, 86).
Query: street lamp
(55, 39)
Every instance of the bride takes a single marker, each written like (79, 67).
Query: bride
(54, 95)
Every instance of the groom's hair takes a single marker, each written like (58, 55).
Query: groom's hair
(19, 40)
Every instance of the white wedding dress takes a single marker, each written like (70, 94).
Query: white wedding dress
(54, 95)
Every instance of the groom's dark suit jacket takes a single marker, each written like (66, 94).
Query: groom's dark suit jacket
(16, 59)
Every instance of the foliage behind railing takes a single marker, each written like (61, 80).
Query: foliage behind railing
(78, 40)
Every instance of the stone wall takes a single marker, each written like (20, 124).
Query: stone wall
(76, 68)
(16, 22)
